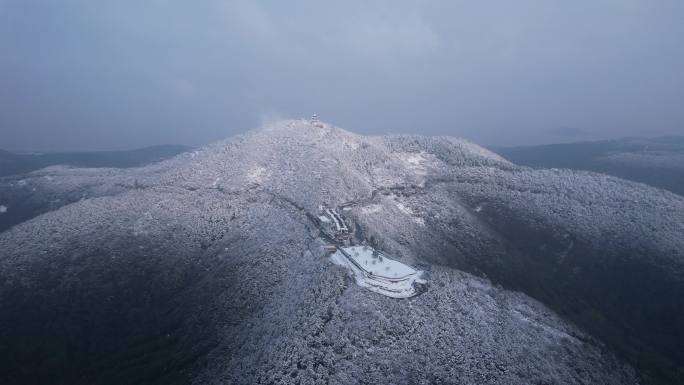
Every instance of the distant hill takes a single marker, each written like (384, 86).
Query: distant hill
(11, 163)
(658, 162)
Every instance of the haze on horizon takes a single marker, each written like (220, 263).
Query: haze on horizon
(84, 75)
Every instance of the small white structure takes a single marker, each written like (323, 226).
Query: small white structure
(380, 274)
(334, 225)
(340, 226)
(315, 121)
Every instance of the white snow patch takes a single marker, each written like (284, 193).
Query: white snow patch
(478, 209)
(350, 143)
(3, 209)
(323, 218)
(377, 264)
(216, 182)
(371, 209)
(418, 162)
(413, 158)
(378, 273)
(407, 210)
(257, 175)
(404, 209)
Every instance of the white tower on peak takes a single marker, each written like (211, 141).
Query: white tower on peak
(314, 119)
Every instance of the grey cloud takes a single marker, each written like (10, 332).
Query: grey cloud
(78, 74)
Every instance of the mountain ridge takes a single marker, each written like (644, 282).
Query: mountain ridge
(658, 162)
(224, 230)
(19, 163)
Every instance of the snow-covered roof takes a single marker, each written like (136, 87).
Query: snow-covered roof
(379, 273)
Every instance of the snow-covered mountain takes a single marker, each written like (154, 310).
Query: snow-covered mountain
(207, 268)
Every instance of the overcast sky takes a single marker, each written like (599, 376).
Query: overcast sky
(89, 75)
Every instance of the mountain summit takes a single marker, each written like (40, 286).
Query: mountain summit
(210, 268)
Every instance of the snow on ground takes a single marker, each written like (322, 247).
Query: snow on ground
(414, 159)
(419, 163)
(371, 209)
(3, 209)
(195, 153)
(257, 175)
(377, 264)
(350, 144)
(323, 218)
(378, 273)
(408, 211)
(404, 209)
